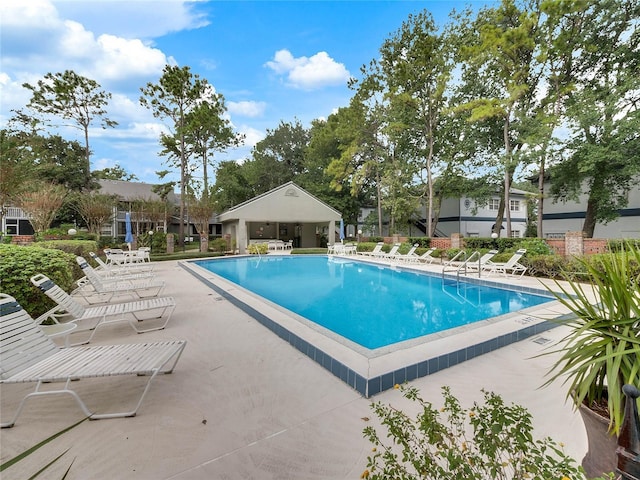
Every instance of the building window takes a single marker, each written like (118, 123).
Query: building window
(514, 205)
(515, 233)
(494, 203)
(12, 226)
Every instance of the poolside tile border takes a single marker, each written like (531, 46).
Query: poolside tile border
(376, 384)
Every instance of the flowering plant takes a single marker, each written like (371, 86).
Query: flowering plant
(489, 440)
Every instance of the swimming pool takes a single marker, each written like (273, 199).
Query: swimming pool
(371, 305)
(372, 370)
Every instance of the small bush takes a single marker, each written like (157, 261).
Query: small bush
(258, 248)
(218, 245)
(423, 242)
(79, 248)
(535, 246)
(18, 264)
(488, 440)
(553, 266)
(366, 246)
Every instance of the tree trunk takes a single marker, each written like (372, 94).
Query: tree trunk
(497, 228)
(507, 174)
(379, 205)
(590, 219)
(540, 198)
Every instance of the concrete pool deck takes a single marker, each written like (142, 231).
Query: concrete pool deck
(242, 403)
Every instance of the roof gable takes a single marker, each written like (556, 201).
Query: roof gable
(131, 191)
(286, 203)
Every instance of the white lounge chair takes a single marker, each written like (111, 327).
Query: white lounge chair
(97, 289)
(392, 253)
(483, 262)
(136, 312)
(409, 256)
(29, 356)
(426, 257)
(124, 269)
(376, 250)
(110, 272)
(512, 265)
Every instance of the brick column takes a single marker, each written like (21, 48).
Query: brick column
(456, 241)
(574, 243)
(170, 242)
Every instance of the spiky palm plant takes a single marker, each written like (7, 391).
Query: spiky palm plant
(601, 352)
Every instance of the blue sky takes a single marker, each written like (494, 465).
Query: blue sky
(272, 60)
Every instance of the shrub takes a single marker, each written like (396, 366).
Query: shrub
(218, 245)
(79, 248)
(488, 440)
(553, 266)
(18, 264)
(366, 246)
(258, 248)
(423, 242)
(535, 246)
(451, 252)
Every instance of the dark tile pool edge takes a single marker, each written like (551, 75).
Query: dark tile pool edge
(372, 386)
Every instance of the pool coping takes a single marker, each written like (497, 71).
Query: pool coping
(371, 374)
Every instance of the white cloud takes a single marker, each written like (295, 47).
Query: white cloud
(311, 73)
(133, 19)
(121, 58)
(252, 135)
(246, 108)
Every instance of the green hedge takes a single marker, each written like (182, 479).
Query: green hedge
(78, 248)
(19, 263)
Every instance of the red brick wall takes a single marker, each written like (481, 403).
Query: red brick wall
(557, 245)
(22, 239)
(594, 245)
(441, 243)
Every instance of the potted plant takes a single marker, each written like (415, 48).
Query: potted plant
(601, 351)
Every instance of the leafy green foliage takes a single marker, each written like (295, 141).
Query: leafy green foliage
(218, 245)
(70, 96)
(18, 264)
(601, 352)
(489, 440)
(74, 247)
(258, 248)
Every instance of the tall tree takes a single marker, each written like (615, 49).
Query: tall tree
(72, 97)
(416, 68)
(501, 65)
(209, 131)
(602, 161)
(231, 187)
(278, 158)
(328, 139)
(177, 93)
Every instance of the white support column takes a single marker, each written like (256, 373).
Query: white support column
(332, 232)
(242, 236)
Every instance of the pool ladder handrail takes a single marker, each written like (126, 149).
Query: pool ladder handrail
(459, 297)
(476, 256)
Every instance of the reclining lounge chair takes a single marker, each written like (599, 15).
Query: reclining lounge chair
(136, 312)
(97, 289)
(512, 265)
(29, 356)
(113, 270)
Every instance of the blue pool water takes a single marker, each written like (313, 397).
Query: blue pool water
(373, 306)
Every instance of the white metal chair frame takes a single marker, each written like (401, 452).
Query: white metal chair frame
(29, 356)
(69, 310)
